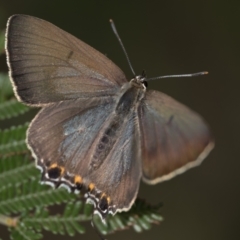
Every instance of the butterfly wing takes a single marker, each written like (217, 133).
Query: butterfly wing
(65, 150)
(48, 64)
(63, 130)
(120, 173)
(173, 137)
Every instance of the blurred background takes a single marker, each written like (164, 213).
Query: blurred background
(171, 37)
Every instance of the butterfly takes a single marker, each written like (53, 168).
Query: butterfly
(97, 132)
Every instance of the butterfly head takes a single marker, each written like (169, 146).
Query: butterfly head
(140, 81)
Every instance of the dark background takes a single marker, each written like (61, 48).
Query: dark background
(171, 37)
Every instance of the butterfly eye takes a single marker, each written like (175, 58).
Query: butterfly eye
(145, 83)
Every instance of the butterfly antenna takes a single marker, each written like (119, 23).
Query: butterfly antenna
(123, 48)
(179, 75)
(96, 230)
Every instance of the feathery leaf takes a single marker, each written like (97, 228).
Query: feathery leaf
(23, 233)
(14, 199)
(11, 109)
(6, 91)
(16, 169)
(58, 224)
(12, 140)
(141, 216)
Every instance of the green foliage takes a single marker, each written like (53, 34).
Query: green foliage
(6, 91)
(66, 223)
(12, 140)
(11, 109)
(26, 206)
(16, 169)
(23, 233)
(26, 195)
(141, 216)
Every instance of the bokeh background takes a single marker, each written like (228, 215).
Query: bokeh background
(171, 37)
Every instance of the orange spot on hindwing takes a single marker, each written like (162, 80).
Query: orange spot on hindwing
(78, 182)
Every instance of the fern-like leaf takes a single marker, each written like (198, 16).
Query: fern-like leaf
(6, 91)
(140, 217)
(11, 109)
(16, 169)
(23, 233)
(68, 223)
(12, 140)
(29, 195)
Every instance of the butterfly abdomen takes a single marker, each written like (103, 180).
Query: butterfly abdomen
(106, 142)
(127, 102)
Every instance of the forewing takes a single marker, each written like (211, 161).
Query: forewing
(173, 137)
(48, 64)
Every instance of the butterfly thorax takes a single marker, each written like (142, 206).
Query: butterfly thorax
(130, 96)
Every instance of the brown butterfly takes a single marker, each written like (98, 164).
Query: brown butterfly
(96, 130)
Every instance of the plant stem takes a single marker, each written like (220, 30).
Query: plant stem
(8, 221)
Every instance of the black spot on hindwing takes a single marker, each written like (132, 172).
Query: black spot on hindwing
(54, 172)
